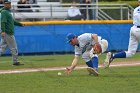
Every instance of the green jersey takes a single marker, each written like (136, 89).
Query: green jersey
(8, 22)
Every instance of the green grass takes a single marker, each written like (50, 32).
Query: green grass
(51, 61)
(37, 61)
(114, 80)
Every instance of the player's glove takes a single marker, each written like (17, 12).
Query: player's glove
(97, 48)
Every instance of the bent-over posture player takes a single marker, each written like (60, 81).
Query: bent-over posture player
(89, 46)
(134, 40)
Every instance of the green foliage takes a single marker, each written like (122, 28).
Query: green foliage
(115, 0)
(108, 0)
(52, 0)
(133, 3)
(127, 0)
(68, 1)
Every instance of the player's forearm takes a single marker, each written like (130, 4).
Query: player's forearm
(74, 63)
(95, 38)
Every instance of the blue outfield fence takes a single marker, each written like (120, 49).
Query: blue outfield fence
(52, 38)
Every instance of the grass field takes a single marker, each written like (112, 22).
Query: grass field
(113, 80)
(51, 61)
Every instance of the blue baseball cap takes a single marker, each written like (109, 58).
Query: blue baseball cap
(70, 36)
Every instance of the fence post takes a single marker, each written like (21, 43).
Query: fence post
(121, 12)
(13, 11)
(51, 11)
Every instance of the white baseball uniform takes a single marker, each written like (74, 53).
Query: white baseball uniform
(134, 33)
(85, 46)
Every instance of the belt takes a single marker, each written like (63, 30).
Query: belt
(138, 26)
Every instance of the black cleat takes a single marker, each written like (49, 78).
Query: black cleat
(17, 64)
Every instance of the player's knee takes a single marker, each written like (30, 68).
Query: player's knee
(86, 59)
(104, 45)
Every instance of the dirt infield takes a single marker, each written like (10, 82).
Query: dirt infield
(117, 64)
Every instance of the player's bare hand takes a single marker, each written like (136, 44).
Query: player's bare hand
(3, 34)
(68, 71)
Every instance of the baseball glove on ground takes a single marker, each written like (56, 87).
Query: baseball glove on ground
(97, 48)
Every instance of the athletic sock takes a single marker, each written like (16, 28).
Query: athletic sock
(120, 55)
(95, 63)
(89, 64)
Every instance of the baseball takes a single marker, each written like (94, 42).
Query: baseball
(59, 73)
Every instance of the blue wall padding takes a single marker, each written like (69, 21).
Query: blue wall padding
(52, 38)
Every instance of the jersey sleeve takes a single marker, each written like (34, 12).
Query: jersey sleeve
(3, 17)
(17, 23)
(3, 20)
(78, 51)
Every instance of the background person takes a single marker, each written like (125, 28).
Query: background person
(87, 12)
(7, 33)
(24, 8)
(74, 12)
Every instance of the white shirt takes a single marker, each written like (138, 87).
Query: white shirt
(85, 43)
(136, 16)
(73, 11)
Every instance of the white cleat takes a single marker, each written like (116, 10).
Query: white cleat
(92, 71)
(108, 60)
